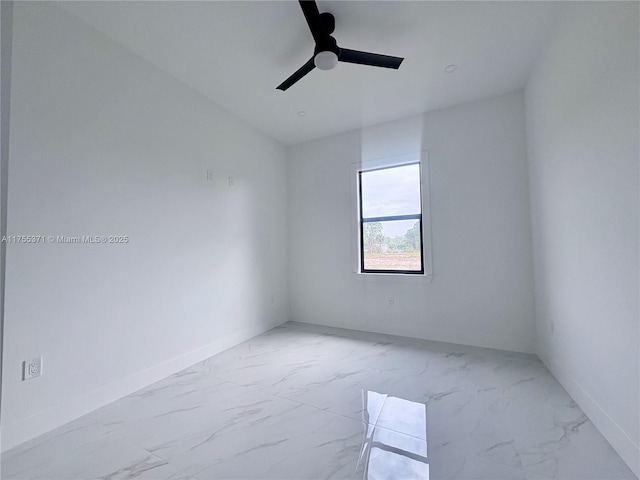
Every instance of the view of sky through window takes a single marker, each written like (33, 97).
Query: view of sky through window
(391, 191)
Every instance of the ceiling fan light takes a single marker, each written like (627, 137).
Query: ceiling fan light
(325, 60)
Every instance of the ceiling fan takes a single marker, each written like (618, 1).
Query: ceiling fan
(327, 53)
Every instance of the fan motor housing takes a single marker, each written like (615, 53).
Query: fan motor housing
(328, 22)
(332, 46)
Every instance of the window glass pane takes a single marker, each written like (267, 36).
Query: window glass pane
(391, 191)
(392, 245)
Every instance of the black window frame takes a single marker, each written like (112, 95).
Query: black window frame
(413, 216)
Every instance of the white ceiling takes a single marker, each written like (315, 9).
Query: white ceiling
(236, 53)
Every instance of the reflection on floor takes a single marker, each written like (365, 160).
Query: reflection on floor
(307, 402)
(400, 449)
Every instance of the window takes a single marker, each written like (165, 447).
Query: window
(390, 211)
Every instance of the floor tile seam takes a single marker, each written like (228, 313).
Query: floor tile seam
(375, 425)
(412, 347)
(310, 406)
(263, 390)
(404, 434)
(166, 460)
(266, 391)
(136, 444)
(522, 469)
(77, 447)
(362, 422)
(194, 475)
(22, 448)
(357, 337)
(404, 348)
(280, 350)
(118, 437)
(317, 357)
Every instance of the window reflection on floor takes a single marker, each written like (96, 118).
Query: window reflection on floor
(395, 445)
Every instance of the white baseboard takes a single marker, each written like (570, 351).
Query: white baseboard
(622, 443)
(44, 421)
(508, 343)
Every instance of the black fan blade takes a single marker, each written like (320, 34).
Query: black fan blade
(366, 58)
(301, 72)
(312, 15)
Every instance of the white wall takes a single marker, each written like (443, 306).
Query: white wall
(104, 143)
(582, 106)
(482, 291)
(6, 26)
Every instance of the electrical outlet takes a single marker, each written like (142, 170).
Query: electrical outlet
(232, 182)
(31, 368)
(209, 176)
(391, 302)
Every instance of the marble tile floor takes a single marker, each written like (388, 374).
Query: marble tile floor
(310, 402)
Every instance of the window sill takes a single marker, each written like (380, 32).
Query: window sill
(394, 277)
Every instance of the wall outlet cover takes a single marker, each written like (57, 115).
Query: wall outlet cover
(31, 368)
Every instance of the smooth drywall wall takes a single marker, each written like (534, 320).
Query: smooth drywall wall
(582, 107)
(103, 143)
(482, 289)
(6, 34)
